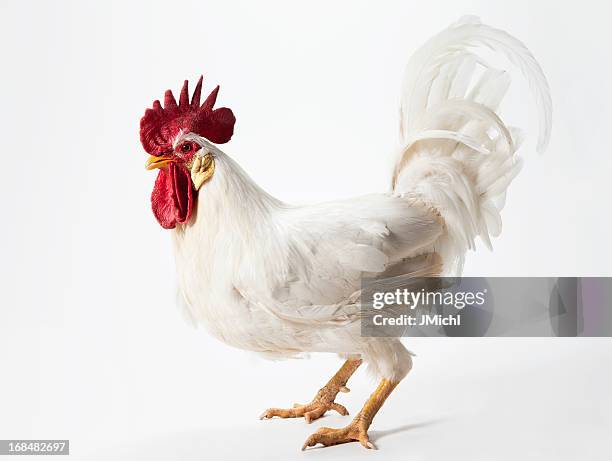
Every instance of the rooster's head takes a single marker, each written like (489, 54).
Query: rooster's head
(178, 138)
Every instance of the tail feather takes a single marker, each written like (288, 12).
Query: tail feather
(458, 154)
(452, 44)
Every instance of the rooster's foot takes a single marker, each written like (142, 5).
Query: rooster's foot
(354, 432)
(323, 402)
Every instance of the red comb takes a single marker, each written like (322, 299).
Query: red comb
(160, 125)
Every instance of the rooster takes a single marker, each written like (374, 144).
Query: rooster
(283, 280)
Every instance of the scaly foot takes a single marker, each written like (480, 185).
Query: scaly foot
(357, 431)
(323, 401)
(354, 432)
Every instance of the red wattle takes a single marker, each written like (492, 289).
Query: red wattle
(172, 197)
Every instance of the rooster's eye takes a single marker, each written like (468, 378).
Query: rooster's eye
(186, 147)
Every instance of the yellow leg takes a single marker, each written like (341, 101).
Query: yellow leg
(323, 401)
(357, 430)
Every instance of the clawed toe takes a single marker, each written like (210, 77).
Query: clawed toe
(310, 412)
(327, 436)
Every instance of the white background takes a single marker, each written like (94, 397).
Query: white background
(92, 347)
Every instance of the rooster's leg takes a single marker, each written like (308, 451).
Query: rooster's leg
(323, 401)
(357, 430)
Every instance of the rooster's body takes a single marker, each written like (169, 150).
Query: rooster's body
(283, 280)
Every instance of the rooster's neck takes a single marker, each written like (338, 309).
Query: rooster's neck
(230, 201)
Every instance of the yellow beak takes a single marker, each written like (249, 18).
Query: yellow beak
(154, 162)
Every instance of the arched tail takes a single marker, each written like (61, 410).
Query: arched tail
(457, 154)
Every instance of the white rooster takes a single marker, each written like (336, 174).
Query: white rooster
(282, 280)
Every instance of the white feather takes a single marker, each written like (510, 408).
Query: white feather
(466, 180)
(284, 280)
